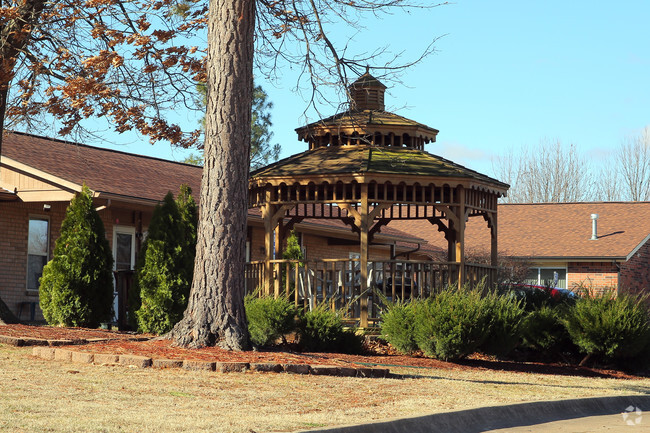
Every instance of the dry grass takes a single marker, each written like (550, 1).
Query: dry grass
(53, 396)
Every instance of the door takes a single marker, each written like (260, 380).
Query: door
(123, 255)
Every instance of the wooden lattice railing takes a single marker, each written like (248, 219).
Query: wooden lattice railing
(337, 282)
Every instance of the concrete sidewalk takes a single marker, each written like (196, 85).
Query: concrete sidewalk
(588, 415)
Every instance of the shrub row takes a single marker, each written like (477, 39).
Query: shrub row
(455, 323)
(319, 329)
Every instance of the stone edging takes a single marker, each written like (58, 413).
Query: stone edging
(27, 341)
(134, 361)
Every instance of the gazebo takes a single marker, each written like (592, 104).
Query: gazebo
(367, 167)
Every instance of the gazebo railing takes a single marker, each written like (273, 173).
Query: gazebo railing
(337, 282)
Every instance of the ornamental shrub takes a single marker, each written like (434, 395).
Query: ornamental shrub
(269, 318)
(321, 330)
(452, 324)
(76, 288)
(506, 315)
(398, 325)
(543, 331)
(165, 266)
(616, 327)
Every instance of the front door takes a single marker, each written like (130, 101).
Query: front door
(123, 254)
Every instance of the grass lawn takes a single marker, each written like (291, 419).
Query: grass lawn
(54, 396)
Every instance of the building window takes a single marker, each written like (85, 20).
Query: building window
(548, 277)
(38, 249)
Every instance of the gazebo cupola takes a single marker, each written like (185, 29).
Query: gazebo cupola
(367, 122)
(367, 93)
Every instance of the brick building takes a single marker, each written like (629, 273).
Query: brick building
(556, 239)
(39, 176)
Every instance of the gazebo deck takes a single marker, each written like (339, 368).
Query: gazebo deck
(337, 282)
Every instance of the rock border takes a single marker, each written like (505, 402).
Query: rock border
(133, 361)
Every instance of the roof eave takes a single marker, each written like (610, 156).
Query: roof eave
(570, 258)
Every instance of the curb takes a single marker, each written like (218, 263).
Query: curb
(133, 361)
(500, 417)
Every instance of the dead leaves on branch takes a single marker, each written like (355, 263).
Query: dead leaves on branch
(129, 61)
(133, 60)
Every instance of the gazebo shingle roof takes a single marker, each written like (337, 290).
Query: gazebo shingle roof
(370, 159)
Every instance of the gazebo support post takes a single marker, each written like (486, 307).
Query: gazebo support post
(460, 238)
(272, 215)
(494, 251)
(363, 259)
(279, 239)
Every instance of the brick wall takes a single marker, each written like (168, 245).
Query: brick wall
(635, 273)
(14, 229)
(597, 276)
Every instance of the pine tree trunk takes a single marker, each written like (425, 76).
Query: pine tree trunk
(215, 313)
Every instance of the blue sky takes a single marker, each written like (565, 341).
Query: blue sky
(505, 74)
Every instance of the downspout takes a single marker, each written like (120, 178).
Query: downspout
(618, 277)
(406, 253)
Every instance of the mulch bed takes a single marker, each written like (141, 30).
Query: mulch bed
(54, 333)
(118, 343)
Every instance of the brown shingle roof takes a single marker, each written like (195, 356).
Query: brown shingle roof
(372, 159)
(103, 170)
(554, 230)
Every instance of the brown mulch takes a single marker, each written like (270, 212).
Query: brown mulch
(56, 333)
(378, 355)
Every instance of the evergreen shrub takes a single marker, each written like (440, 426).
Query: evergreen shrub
(165, 266)
(398, 325)
(452, 324)
(76, 288)
(616, 327)
(321, 330)
(269, 318)
(544, 331)
(506, 315)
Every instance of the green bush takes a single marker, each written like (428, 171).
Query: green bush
(453, 324)
(76, 288)
(321, 330)
(506, 315)
(544, 331)
(165, 265)
(398, 326)
(269, 318)
(616, 327)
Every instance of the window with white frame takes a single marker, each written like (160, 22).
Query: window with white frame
(548, 277)
(38, 250)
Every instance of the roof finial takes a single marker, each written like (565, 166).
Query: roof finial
(367, 69)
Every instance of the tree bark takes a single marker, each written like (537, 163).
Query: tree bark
(215, 313)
